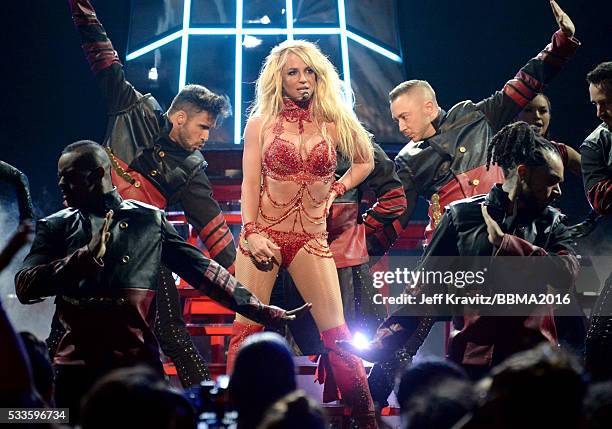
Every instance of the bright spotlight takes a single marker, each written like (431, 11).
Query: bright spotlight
(251, 41)
(153, 75)
(223, 381)
(360, 341)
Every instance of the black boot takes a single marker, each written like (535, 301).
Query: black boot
(383, 377)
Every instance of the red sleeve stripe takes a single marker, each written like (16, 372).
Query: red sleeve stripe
(535, 84)
(220, 279)
(393, 193)
(83, 20)
(391, 202)
(220, 236)
(214, 236)
(102, 64)
(384, 208)
(100, 55)
(524, 89)
(386, 211)
(212, 226)
(515, 95)
(218, 246)
(600, 196)
(98, 46)
(550, 58)
(372, 223)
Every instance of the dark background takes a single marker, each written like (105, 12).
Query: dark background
(465, 49)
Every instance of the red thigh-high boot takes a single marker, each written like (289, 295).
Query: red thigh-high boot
(347, 380)
(240, 332)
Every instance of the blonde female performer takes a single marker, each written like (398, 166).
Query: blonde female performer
(297, 123)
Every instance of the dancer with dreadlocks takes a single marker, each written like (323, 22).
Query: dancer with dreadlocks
(514, 219)
(444, 161)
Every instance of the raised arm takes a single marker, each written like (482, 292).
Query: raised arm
(102, 57)
(502, 107)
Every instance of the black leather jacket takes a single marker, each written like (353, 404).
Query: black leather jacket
(352, 238)
(450, 165)
(106, 308)
(596, 154)
(137, 133)
(476, 339)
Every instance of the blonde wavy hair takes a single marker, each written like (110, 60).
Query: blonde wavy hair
(328, 105)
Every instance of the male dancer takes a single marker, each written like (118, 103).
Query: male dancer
(514, 219)
(101, 258)
(446, 158)
(596, 154)
(156, 159)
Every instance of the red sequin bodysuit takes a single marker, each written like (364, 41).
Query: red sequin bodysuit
(298, 166)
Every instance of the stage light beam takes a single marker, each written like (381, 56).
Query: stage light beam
(360, 341)
(184, 44)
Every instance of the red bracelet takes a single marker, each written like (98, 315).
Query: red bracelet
(338, 188)
(250, 228)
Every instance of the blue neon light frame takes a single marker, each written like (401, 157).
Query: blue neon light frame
(239, 31)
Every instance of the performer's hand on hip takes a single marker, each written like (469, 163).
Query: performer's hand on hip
(330, 200)
(97, 245)
(565, 23)
(495, 232)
